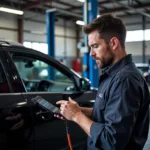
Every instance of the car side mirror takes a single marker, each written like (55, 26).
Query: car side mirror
(85, 84)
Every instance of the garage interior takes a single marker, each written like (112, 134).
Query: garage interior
(30, 29)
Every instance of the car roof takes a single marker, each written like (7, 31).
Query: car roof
(14, 44)
(10, 43)
(142, 65)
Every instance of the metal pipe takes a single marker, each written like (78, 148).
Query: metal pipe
(68, 13)
(65, 40)
(143, 43)
(20, 30)
(131, 8)
(85, 20)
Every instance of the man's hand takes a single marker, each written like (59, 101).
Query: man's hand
(69, 109)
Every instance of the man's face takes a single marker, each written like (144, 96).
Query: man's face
(100, 51)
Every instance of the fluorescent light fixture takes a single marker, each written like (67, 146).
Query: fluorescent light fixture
(81, 1)
(79, 22)
(13, 11)
(37, 32)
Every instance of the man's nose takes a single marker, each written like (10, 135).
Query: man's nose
(92, 53)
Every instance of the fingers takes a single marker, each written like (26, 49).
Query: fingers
(59, 116)
(61, 102)
(68, 109)
(71, 100)
(63, 106)
(64, 101)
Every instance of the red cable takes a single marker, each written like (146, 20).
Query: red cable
(68, 136)
(69, 141)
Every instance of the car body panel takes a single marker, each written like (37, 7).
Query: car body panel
(16, 124)
(41, 129)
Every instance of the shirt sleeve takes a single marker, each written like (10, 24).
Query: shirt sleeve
(120, 115)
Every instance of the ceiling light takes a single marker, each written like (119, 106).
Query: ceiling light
(13, 11)
(37, 32)
(79, 22)
(81, 1)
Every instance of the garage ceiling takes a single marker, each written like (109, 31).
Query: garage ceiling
(74, 7)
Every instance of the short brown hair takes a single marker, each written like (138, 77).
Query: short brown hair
(108, 27)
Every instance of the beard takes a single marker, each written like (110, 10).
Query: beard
(106, 60)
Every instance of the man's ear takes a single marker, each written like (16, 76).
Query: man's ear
(114, 42)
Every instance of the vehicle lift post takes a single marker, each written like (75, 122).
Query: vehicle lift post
(90, 69)
(50, 27)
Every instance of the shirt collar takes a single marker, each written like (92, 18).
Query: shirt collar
(118, 65)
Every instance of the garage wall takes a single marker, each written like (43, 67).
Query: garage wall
(135, 48)
(35, 31)
(8, 27)
(134, 22)
(65, 37)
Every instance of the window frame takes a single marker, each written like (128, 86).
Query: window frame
(23, 51)
(5, 67)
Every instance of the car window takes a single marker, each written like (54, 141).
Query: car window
(4, 87)
(37, 75)
(142, 67)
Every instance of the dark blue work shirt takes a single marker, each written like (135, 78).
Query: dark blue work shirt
(121, 109)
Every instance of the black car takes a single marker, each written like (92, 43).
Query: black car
(25, 74)
(144, 70)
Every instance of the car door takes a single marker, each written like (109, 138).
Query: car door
(45, 77)
(16, 124)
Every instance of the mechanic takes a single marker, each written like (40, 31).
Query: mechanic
(119, 119)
